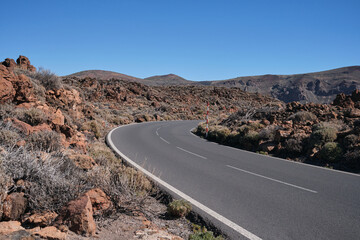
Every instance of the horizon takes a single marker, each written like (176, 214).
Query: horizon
(199, 41)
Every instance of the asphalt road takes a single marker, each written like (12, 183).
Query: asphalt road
(244, 193)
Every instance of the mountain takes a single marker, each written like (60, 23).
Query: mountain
(318, 87)
(103, 75)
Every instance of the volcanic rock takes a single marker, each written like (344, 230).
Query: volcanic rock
(24, 63)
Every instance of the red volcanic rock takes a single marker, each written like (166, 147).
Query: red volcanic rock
(355, 96)
(344, 101)
(24, 63)
(99, 200)
(10, 227)
(78, 216)
(42, 219)
(9, 63)
(24, 89)
(14, 206)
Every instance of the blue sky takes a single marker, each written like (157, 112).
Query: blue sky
(196, 39)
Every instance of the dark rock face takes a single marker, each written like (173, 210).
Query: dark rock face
(24, 63)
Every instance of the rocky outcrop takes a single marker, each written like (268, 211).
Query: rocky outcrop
(49, 233)
(24, 63)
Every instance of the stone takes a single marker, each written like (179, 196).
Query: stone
(82, 161)
(50, 233)
(10, 227)
(58, 118)
(40, 219)
(14, 206)
(99, 200)
(78, 216)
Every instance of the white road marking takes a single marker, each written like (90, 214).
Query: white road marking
(195, 203)
(164, 140)
(157, 133)
(191, 153)
(272, 179)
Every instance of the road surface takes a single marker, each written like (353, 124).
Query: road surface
(247, 195)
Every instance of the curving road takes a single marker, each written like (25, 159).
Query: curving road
(247, 195)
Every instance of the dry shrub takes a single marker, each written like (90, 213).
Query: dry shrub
(54, 180)
(48, 79)
(294, 145)
(6, 111)
(303, 117)
(352, 160)
(268, 133)
(95, 127)
(8, 137)
(32, 116)
(102, 154)
(45, 141)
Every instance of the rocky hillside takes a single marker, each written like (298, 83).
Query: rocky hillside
(318, 87)
(325, 135)
(57, 176)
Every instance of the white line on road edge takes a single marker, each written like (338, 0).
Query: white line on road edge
(272, 179)
(164, 140)
(191, 153)
(202, 207)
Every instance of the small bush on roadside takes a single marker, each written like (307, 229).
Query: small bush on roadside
(179, 208)
(219, 133)
(32, 116)
(352, 160)
(321, 135)
(203, 234)
(303, 116)
(351, 140)
(48, 79)
(6, 111)
(45, 141)
(330, 152)
(294, 145)
(102, 154)
(268, 133)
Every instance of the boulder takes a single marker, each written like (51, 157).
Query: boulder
(99, 200)
(50, 233)
(24, 89)
(10, 227)
(58, 118)
(78, 216)
(24, 63)
(27, 129)
(14, 206)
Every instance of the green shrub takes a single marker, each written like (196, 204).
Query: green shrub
(303, 116)
(351, 140)
(352, 160)
(321, 135)
(45, 141)
(203, 234)
(219, 133)
(102, 154)
(179, 208)
(331, 152)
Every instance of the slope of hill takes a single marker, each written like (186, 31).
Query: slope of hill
(318, 87)
(165, 80)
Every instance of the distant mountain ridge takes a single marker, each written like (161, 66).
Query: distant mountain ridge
(318, 87)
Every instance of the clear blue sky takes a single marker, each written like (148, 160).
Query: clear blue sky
(196, 39)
